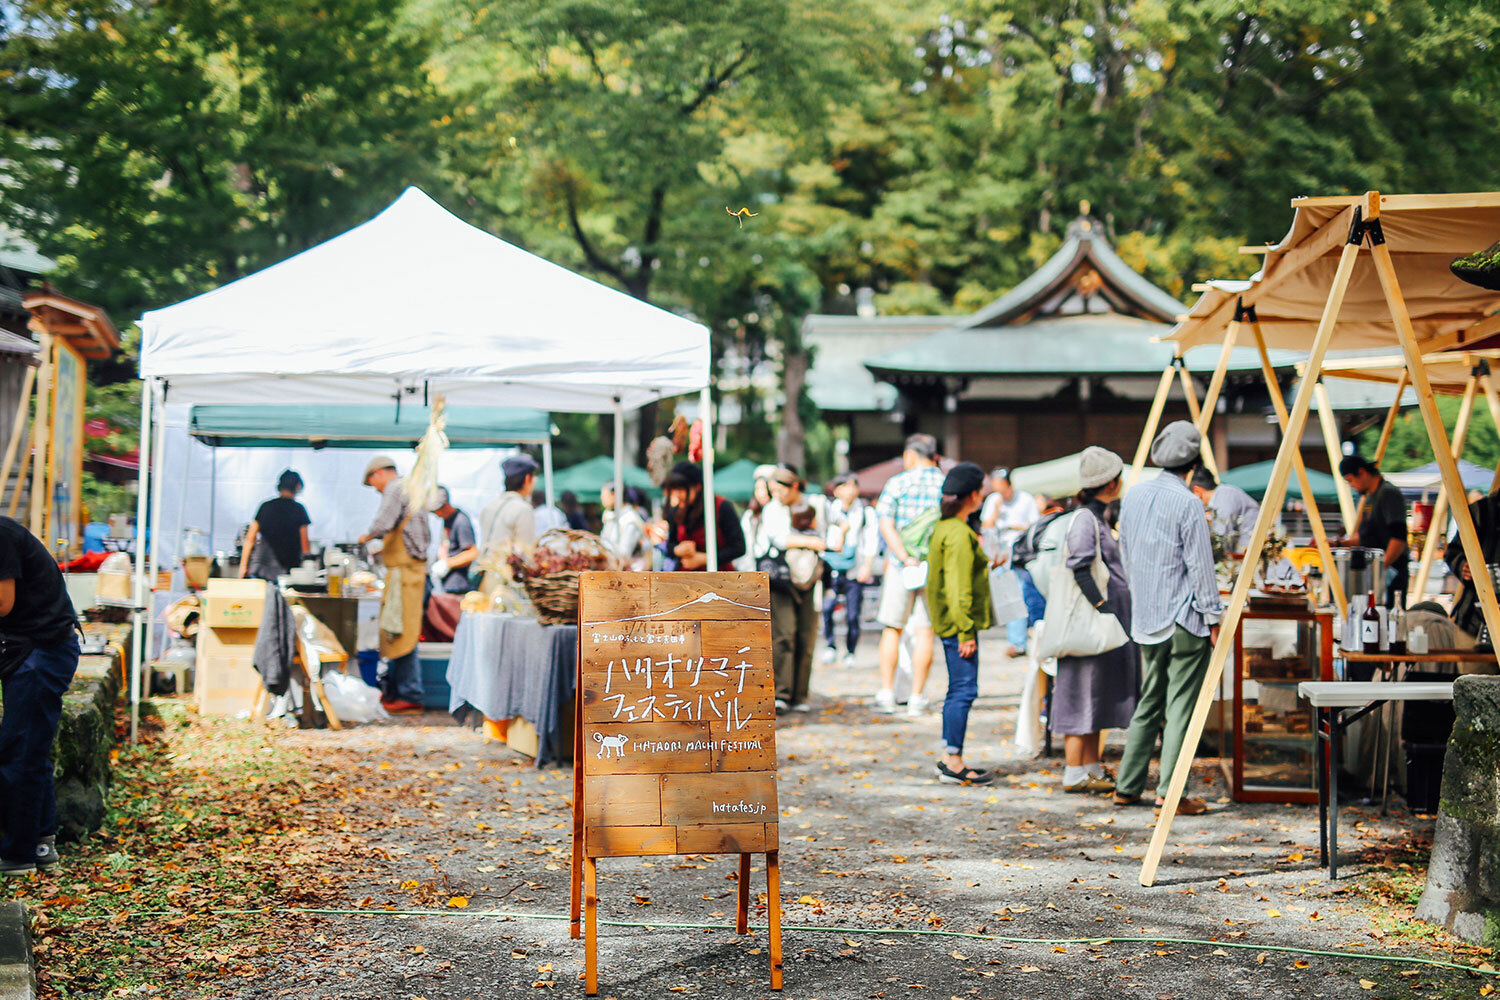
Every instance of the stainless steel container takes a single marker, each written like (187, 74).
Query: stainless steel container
(1361, 571)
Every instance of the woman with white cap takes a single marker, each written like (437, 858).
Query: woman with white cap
(1094, 693)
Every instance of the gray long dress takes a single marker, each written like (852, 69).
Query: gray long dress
(1097, 692)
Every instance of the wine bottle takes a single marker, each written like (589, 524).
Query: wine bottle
(1369, 627)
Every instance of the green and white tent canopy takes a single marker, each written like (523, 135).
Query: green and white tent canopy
(363, 426)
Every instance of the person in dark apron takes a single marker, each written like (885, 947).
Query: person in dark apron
(277, 539)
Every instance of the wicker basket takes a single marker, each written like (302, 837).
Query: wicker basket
(554, 594)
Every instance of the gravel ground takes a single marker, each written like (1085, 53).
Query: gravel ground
(873, 852)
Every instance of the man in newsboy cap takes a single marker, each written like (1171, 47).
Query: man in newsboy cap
(1174, 610)
(404, 533)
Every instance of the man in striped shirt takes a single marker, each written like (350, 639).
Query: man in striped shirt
(901, 607)
(1174, 610)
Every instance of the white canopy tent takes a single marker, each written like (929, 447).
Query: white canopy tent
(413, 304)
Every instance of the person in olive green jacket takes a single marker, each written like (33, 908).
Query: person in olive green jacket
(958, 602)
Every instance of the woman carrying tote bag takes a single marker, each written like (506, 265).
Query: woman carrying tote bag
(1098, 691)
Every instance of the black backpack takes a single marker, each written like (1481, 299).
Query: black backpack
(1028, 546)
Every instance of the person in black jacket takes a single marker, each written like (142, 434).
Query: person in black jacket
(38, 657)
(686, 535)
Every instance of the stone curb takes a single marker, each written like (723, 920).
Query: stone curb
(17, 970)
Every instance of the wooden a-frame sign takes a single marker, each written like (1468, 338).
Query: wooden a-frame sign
(674, 746)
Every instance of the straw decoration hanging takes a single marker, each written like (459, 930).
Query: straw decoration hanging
(422, 483)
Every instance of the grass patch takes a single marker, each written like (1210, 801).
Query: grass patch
(202, 816)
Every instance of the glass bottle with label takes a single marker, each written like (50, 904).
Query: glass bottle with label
(1369, 627)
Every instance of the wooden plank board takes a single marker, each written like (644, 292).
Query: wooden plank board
(677, 705)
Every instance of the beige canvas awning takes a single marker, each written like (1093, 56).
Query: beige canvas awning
(1424, 234)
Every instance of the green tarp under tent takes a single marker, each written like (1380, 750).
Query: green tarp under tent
(1253, 478)
(381, 425)
(587, 478)
(736, 480)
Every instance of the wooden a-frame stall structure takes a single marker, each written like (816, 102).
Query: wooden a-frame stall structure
(1455, 373)
(1311, 296)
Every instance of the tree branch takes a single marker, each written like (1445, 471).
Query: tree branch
(590, 253)
(716, 81)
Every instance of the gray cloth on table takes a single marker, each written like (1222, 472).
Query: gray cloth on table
(1097, 692)
(503, 667)
(275, 642)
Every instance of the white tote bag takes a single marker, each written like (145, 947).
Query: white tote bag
(1073, 627)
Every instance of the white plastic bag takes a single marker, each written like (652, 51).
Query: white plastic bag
(1005, 595)
(352, 700)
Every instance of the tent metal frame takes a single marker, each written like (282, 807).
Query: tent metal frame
(1354, 229)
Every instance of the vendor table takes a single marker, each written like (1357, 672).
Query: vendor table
(1331, 699)
(503, 667)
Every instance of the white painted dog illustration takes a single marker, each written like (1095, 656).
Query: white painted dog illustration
(610, 743)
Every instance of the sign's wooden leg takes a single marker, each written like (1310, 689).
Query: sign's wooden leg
(575, 896)
(773, 911)
(590, 927)
(742, 910)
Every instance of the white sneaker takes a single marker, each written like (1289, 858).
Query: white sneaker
(917, 705)
(829, 654)
(885, 701)
(848, 661)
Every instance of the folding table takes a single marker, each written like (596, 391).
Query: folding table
(1331, 699)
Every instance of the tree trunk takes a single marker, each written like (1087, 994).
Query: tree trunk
(791, 442)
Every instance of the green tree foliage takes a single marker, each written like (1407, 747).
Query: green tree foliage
(160, 149)
(1410, 448)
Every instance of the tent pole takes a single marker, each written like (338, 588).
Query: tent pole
(1275, 493)
(1487, 382)
(710, 502)
(1385, 436)
(1473, 551)
(619, 435)
(1196, 415)
(547, 469)
(143, 490)
(1334, 444)
(1437, 528)
(1148, 433)
(213, 493)
(158, 460)
(1299, 465)
(41, 433)
(1216, 383)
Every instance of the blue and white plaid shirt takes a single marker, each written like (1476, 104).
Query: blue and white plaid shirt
(909, 493)
(1169, 559)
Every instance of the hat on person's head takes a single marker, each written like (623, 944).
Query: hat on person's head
(685, 474)
(376, 464)
(786, 477)
(518, 465)
(1000, 472)
(1178, 444)
(764, 471)
(1097, 466)
(439, 499)
(963, 479)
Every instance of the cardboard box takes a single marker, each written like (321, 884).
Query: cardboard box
(214, 641)
(226, 683)
(234, 603)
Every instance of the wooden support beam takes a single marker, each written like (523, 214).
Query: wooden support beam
(1216, 381)
(1333, 442)
(1452, 482)
(1153, 420)
(1437, 529)
(1487, 382)
(18, 428)
(1190, 390)
(1270, 506)
(1299, 465)
(41, 426)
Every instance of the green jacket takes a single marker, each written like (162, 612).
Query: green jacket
(958, 581)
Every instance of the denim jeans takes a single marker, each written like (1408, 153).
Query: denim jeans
(33, 704)
(403, 679)
(853, 592)
(963, 688)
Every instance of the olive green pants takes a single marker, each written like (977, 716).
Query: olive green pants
(794, 637)
(1171, 677)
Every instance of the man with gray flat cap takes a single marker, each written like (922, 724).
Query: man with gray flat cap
(1174, 610)
(401, 525)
